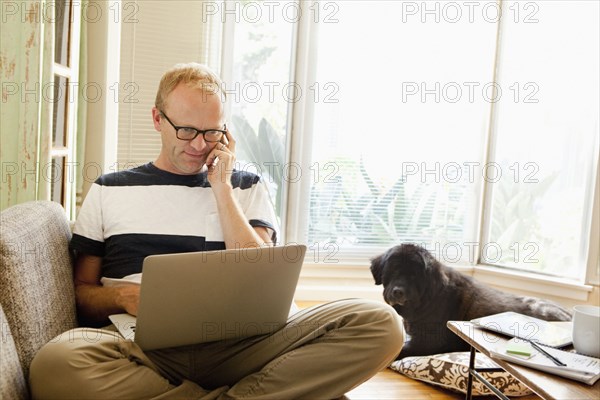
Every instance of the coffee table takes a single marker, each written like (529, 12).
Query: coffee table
(547, 386)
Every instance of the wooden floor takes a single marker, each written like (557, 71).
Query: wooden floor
(390, 385)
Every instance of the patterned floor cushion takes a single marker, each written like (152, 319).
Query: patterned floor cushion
(451, 370)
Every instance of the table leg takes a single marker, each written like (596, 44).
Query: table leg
(474, 374)
(470, 378)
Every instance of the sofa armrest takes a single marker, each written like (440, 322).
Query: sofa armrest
(12, 381)
(36, 275)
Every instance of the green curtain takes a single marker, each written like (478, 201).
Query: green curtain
(26, 57)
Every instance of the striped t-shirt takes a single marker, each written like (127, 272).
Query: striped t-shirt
(131, 214)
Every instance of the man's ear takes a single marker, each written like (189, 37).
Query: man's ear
(377, 268)
(156, 118)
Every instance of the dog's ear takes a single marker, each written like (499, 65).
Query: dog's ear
(428, 260)
(377, 269)
(433, 266)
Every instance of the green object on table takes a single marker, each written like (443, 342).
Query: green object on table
(520, 349)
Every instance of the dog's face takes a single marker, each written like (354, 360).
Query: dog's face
(408, 273)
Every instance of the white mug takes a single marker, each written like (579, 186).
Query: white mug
(586, 330)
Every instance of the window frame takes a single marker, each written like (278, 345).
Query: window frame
(70, 72)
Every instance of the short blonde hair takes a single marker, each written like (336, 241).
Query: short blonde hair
(193, 75)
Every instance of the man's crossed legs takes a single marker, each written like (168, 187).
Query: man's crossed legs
(321, 353)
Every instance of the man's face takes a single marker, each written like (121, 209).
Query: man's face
(187, 107)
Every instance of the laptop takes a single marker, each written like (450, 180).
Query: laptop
(554, 334)
(199, 297)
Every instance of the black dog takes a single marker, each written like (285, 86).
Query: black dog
(427, 294)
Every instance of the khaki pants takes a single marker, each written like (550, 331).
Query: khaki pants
(321, 353)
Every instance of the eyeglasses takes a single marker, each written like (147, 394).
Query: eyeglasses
(189, 133)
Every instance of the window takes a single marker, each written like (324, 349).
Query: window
(467, 128)
(437, 130)
(546, 139)
(260, 90)
(395, 128)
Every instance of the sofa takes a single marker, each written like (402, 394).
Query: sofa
(37, 301)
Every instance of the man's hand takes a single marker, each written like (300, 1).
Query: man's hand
(220, 163)
(96, 302)
(237, 232)
(128, 298)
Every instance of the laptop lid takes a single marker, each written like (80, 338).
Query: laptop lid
(198, 297)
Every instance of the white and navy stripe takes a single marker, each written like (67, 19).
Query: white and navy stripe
(131, 214)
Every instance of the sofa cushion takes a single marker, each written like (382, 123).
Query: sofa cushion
(12, 381)
(36, 275)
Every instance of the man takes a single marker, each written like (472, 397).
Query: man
(190, 199)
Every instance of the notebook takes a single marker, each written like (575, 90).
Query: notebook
(198, 297)
(576, 366)
(525, 327)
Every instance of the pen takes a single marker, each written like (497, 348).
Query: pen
(550, 356)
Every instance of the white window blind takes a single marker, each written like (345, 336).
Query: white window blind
(155, 36)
